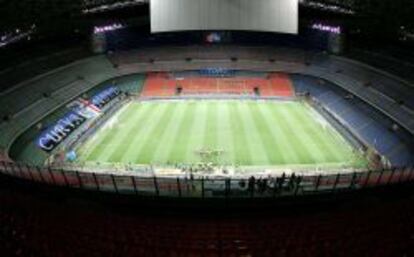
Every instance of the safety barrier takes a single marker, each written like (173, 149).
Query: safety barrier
(194, 186)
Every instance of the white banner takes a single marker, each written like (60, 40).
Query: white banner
(255, 15)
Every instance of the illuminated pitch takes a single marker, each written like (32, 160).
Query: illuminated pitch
(223, 132)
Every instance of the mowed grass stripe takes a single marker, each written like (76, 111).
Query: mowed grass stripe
(135, 122)
(264, 136)
(181, 141)
(89, 151)
(343, 148)
(166, 141)
(153, 140)
(196, 133)
(120, 140)
(317, 136)
(241, 151)
(285, 148)
(307, 134)
(107, 135)
(292, 134)
(258, 154)
(137, 137)
(332, 149)
(329, 148)
(210, 136)
(272, 146)
(225, 134)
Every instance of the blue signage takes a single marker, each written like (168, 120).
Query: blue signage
(56, 133)
(105, 96)
(61, 129)
(217, 72)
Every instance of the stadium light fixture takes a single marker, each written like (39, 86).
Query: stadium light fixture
(327, 28)
(103, 6)
(16, 35)
(112, 27)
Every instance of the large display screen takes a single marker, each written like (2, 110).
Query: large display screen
(255, 15)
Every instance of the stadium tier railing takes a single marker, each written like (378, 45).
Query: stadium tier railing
(194, 186)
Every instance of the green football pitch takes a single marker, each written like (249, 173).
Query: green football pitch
(224, 132)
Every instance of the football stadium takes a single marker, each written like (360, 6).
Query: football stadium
(207, 128)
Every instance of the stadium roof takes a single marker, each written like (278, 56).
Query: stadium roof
(51, 13)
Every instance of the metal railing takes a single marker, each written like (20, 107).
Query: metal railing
(204, 187)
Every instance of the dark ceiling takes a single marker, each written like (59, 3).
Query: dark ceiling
(60, 15)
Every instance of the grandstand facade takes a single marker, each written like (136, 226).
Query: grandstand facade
(371, 108)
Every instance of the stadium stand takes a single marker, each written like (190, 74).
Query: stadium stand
(25, 148)
(390, 86)
(78, 227)
(75, 79)
(280, 85)
(90, 71)
(351, 76)
(207, 53)
(163, 84)
(391, 60)
(132, 84)
(158, 84)
(15, 73)
(47, 93)
(372, 128)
